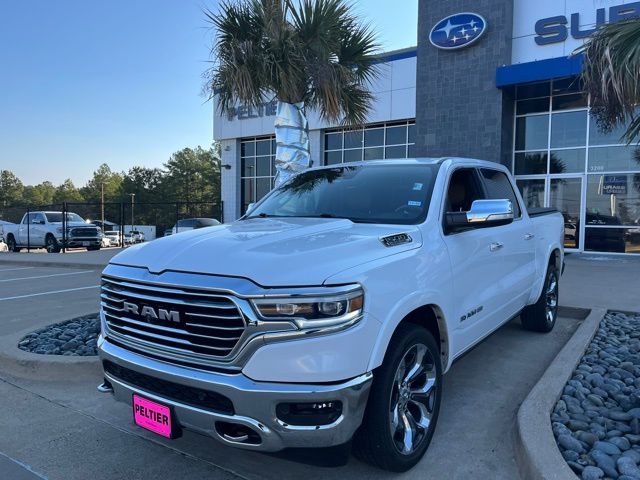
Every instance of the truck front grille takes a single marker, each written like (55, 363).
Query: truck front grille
(173, 322)
(83, 232)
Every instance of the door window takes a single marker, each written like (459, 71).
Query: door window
(464, 189)
(499, 187)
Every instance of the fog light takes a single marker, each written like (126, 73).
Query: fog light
(309, 414)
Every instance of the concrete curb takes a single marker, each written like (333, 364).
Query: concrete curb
(44, 263)
(34, 366)
(537, 454)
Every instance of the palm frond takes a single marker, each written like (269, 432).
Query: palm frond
(611, 72)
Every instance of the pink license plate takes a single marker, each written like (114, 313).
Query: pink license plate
(152, 416)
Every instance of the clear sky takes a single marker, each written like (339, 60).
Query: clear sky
(118, 82)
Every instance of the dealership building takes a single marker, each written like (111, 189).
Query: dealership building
(489, 79)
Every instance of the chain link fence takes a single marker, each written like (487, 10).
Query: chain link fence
(123, 223)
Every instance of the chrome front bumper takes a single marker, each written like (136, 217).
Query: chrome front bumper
(254, 402)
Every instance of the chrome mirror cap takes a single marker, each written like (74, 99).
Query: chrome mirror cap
(490, 211)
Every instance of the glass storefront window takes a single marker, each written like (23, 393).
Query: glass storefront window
(257, 168)
(333, 141)
(614, 159)
(374, 137)
(534, 105)
(532, 192)
(567, 161)
(332, 158)
(591, 176)
(569, 129)
(530, 163)
(354, 155)
(352, 138)
(565, 197)
(397, 135)
(613, 200)
(613, 240)
(380, 141)
(569, 102)
(532, 133)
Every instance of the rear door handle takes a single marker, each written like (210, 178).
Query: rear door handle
(495, 246)
(529, 236)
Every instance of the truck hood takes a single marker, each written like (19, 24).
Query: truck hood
(270, 251)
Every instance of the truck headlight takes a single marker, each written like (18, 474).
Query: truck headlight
(313, 312)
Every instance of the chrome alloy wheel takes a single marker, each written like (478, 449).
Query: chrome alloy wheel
(551, 296)
(413, 399)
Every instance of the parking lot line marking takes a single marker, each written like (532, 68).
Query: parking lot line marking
(14, 269)
(48, 293)
(47, 276)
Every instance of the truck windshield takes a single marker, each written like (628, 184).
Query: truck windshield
(56, 217)
(396, 194)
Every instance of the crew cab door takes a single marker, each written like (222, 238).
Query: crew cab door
(480, 262)
(24, 230)
(518, 251)
(38, 227)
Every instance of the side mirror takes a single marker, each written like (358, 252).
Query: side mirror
(483, 213)
(250, 207)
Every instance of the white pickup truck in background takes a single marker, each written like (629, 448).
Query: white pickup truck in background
(331, 311)
(44, 230)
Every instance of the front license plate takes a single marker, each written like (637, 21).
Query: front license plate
(85, 244)
(152, 416)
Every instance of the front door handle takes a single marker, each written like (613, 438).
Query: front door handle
(529, 236)
(495, 246)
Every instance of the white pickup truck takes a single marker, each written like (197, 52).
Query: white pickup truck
(44, 230)
(331, 311)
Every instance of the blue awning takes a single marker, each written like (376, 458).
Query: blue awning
(538, 70)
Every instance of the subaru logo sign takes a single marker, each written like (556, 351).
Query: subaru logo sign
(457, 31)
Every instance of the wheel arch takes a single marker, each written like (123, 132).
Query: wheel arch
(431, 317)
(555, 255)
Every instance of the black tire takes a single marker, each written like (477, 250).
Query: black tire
(91, 249)
(542, 315)
(51, 244)
(11, 244)
(377, 441)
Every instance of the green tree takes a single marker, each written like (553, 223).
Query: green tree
(103, 176)
(41, 194)
(610, 74)
(67, 192)
(145, 183)
(193, 175)
(11, 188)
(313, 55)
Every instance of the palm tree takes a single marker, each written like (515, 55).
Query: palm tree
(315, 54)
(611, 72)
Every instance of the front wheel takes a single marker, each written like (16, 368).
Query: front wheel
(404, 402)
(541, 316)
(51, 244)
(93, 248)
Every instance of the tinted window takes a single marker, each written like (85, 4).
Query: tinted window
(398, 194)
(499, 187)
(56, 217)
(463, 190)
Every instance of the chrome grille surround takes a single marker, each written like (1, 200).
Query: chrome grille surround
(210, 327)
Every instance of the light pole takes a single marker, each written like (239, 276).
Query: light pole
(133, 196)
(102, 204)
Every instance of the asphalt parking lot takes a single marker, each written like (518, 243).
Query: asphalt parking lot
(65, 429)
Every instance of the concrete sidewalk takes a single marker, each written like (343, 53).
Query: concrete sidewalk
(607, 281)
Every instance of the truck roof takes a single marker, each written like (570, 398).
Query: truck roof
(414, 161)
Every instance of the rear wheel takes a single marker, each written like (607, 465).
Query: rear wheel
(541, 316)
(11, 244)
(403, 403)
(51, 244)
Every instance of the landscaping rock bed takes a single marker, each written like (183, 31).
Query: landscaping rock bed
(596, 421)
(76, 337)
